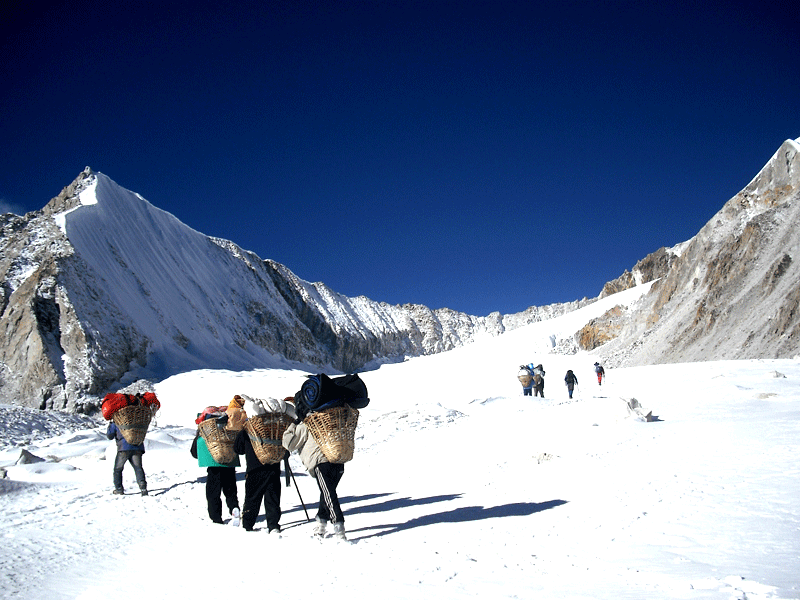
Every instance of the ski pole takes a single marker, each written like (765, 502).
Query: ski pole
(290, 474)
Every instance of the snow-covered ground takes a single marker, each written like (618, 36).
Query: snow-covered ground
(460, 488)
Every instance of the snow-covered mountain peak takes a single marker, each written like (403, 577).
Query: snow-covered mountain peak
(774, 183)
(110, 289)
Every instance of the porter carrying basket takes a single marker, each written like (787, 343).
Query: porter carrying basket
(266, 435)
(334, 429)
(133, 421)
(525, 378)
(218, 440)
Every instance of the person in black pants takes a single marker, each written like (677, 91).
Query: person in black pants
(263, 481)
(126, 453)
(221, 480)
(328, 477)
(571, 380)
(297, 437)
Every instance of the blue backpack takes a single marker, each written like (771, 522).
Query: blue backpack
(319, 392)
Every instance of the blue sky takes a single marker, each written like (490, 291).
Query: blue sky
(480, 156)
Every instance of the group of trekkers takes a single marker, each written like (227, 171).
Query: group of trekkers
(532, 379)
(318, 423)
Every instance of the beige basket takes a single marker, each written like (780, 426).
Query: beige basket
(334, 430)
(133, 421)
(525, 380)
(218, 440)
(266, 434)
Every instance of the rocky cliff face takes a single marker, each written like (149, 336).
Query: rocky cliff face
(85, 310)
(652, 267)
(356, 331)
(614, 322)
(48, 355)
(733, 291)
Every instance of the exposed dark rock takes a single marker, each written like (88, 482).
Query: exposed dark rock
(603, 329)
(650, 268)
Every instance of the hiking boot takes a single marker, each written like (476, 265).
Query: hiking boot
(275, 531)
(144, 492)
(235, 517)
(118, 492)
(338, 531)
(319, 528)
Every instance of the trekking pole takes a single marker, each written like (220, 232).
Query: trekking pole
(290, 474)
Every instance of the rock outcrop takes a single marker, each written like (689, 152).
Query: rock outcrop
(652, 267)
(733, 292)
(603, 329)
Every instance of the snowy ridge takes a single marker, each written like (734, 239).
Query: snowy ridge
(155, 270)
(666, 481)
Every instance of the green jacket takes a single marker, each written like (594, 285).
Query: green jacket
(204, 459)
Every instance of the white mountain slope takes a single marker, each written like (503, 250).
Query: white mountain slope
(187, 294)
(101, 289)
(460, 487)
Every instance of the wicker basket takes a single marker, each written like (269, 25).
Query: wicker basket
(133, 421)
(334, 430)
(218, 440)
(266, 434)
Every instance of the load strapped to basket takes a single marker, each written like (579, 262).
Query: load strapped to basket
(328, 407)
(131, 414)
(219, 440)
(319, 392)
(266, 435)
(525, 376)
(236, 414)
(267, 420)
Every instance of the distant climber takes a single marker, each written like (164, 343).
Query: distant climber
(525, 377)
(601, 373)
(571, 382)
(538, 381)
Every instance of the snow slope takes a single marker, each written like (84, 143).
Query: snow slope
(165, 286)
(460, 488)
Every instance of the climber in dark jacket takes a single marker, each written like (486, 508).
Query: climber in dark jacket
(261, 481)
(571, 382)
(126, 453)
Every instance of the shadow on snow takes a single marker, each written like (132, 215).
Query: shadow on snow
(458, 515)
